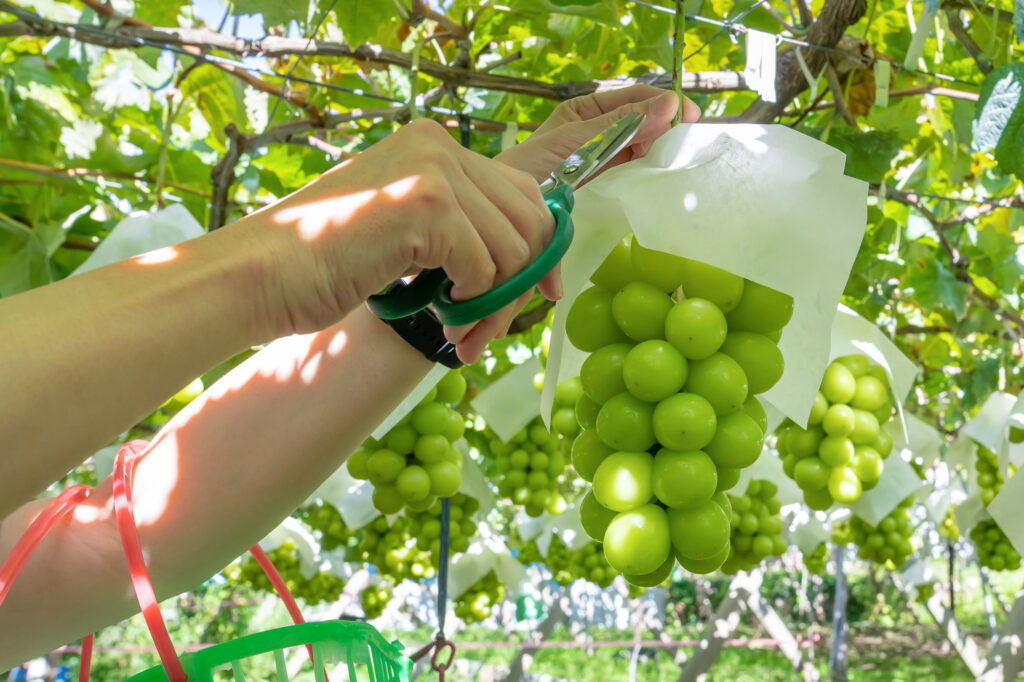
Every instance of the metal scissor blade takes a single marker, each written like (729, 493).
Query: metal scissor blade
(592, 156)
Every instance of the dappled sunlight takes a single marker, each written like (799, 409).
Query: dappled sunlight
(161, 477)
(314, 217)
(164, 255)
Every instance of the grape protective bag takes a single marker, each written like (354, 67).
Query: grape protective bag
(1007, 508)
(488, 554)
(990, 427)
(511, 402)
(746, 198)
(807, 536)
(543, 528)
(768, 467)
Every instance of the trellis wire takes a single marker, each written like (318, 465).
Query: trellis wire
(735, 27)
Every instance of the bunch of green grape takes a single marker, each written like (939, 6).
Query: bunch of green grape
(889, 543)
(948, 528)
(678, 350)
(416, 462)
(924, 591)
(840, 453)
(531, 466)
(321, 587)
(477, 603)
(990, 478)
(756, 527)
(374, 598)
(425, 526)
(393, 549)
(816, 561)
(994, 548)
(327, 525)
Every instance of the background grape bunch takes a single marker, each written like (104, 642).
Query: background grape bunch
(990, 478)
(890, 543)
(756, 527)
(678, 349)
(425, 526)
(477, 603)
(416, 462)
(327, 525)
(924, 591)
(840, 454)
(816, 561)
(531, 467)
(320, 587)
(994, 548)
(948, 528)
(568, 565)
(374, 598)
(393, 549)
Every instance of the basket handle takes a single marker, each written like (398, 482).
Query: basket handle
(11, 567)
(124, 471)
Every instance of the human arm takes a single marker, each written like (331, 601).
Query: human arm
(217, 478)
(88, 357)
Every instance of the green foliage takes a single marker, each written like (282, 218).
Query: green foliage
(999, 123)
(90, 134)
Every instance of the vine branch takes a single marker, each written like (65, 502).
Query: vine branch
(203, 40)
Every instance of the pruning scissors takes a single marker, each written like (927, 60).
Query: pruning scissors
(433, 288)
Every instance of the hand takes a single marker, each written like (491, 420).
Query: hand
(414, 200)
(569, 127)
(575, 121)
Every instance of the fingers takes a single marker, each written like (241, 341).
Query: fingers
(505, 243)
(517, 195)
(448, 239)
(472, 344)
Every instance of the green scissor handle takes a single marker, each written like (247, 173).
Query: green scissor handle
(432, 287)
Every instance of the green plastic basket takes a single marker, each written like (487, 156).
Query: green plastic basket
(353, 643)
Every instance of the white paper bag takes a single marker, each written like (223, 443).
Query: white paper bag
(511, 402)
(761, 201)
(1007, 509)
(768, 467)
(141, 233)
(481, 557)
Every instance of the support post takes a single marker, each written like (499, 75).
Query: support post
(722, 624)
(1004, 660)
(522, 661)
(778, 631)
(963, 644)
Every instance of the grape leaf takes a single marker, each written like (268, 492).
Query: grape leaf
(999, 122)
(868, 155)
(275, 12)
(23, 259)
(935, 286)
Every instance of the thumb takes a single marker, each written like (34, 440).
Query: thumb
(660, 111)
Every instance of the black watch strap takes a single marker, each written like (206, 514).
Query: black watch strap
(424, 332)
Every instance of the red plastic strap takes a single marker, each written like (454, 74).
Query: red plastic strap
(37, 530)
(85, 663)
(124, 470)
(282, 589)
